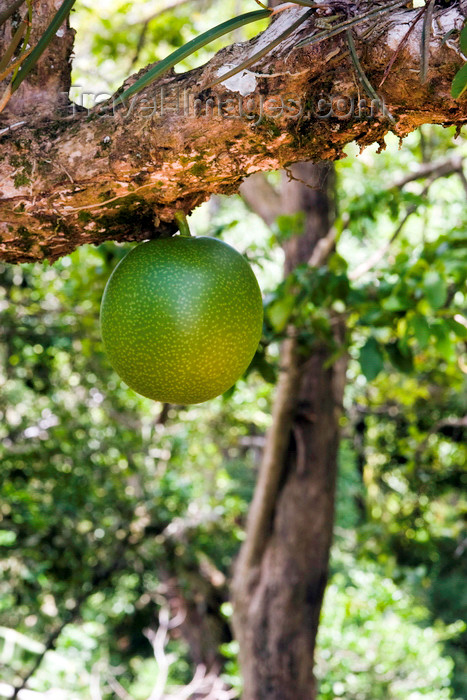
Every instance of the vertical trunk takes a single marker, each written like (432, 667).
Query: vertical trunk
(282, 568)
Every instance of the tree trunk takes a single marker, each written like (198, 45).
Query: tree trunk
(69, 177)
(282, 568)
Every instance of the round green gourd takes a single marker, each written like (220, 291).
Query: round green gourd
(181, 318)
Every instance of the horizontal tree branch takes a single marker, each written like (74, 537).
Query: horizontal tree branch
(436, 168)
(121, 174)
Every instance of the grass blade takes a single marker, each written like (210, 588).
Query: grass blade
(43, 42)
(24, 47)
(18, 35)
(289, 5)
(369, 89)
(189, 48)
(463, 39)
(250, 61)
(14, 66)
(425, 41)
(307, 3)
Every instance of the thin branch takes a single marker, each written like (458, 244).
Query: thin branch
(18, 35)
(379, 254)
(95, 684)
(167, 8)
(6, 14)
(193, 686)
(7, 690)
(323, 249)
(208, 684)
(446, 168)
(251, 60)
(50, 644)
(142, 37)
(270, 474)
(164, 661)
(438, 168)
(401, 45)
(5, 98)
(15, 64)
(118, 688)
(11, 127)
(336, 29)
(267, 203)
(463, 179)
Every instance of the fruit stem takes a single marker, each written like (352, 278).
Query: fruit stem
(183, 226)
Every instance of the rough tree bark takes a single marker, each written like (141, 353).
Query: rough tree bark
(281, 572)
(68, 179)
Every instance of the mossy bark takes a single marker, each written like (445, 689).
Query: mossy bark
(72, 178)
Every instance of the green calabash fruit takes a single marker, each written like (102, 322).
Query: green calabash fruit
(181, 318)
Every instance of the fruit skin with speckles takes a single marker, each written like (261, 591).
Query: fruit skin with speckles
(181, 318)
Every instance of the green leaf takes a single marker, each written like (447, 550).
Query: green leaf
(435, 289)
(184, 51)
(265, 368)
(7, 538)
(459, 329)
(265, 50)
(448, 35)
(397, 301)
(280, 311)
(421, 330)
(337, 264)
(463, 39)
(459, 84)
(371, 359)
(43, 42)
(402, 361)
(288, 225)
